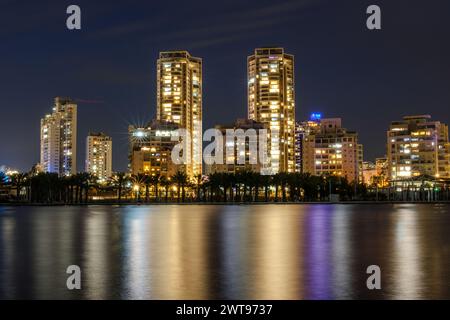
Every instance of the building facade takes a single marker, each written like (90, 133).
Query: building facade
(382, 177)
(271, 100)
(59, 138)
(302, 130)
(418, 146)
(151, 148)
(179, 100)
(330, 149)
(238, 153)
(99, 155)
(369, 173)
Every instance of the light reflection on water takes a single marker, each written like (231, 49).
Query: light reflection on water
(226, 252)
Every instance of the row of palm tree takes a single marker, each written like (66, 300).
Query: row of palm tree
(248, 186)
(245, 186)
(161, 185)
(50, 188)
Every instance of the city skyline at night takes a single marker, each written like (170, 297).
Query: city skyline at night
(217, 159)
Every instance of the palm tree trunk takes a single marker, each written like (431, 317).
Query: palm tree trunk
(204, 191)
(79, 195)
(76, 193)
(86, 195)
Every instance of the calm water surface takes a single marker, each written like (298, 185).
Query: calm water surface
(226, 252)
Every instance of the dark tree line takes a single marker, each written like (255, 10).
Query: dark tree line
(49, 188)
(245, 186)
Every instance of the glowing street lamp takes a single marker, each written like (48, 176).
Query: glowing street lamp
(136, 189)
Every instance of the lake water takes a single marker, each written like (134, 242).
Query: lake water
(226, 252)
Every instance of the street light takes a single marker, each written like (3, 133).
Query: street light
(136, 189)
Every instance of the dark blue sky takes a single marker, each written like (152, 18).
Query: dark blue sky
(368, 78)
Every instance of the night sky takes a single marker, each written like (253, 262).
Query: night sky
(368, 78)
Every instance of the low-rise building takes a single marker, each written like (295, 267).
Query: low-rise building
(418, 146)
(369, 173)
(330, 149)
(238, 153)
(151, 147)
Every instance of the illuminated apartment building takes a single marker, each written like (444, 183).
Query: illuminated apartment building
(360, 159)
(99, 155)
(369, 173)
(330, 149)
(271, 100)
(302, 130)
(252, 158)
(179, 100)
(59, 138)
(375, 174)
(151, 147)
(381, 164)
(418, 146)
(382, 177)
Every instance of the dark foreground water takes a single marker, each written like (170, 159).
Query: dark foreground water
(226, 252)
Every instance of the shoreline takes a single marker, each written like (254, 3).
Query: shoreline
(113, 204)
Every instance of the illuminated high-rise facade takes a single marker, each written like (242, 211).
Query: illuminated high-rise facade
(179, 100)
(330, 149)
(271, 100)
(99, 155)
(59, 138)
(418, 146)
(302, 130)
